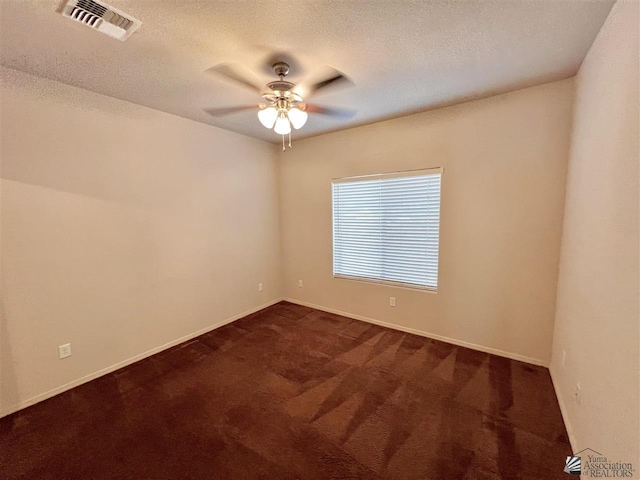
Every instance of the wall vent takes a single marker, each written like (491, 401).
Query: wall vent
(101, 17)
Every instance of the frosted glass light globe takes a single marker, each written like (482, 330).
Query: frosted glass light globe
(268, 117)
(298, 117)
(282, 125)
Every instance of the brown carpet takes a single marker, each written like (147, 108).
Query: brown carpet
(295, 393)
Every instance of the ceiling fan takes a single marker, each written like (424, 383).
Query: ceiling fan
(283, 106)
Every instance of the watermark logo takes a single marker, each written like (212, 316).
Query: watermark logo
(595, 465)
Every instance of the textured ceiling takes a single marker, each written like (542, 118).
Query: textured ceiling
(404, 56)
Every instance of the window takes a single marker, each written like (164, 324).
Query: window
(386, 228)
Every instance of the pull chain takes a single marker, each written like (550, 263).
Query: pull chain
(289, 139)
(283, 143)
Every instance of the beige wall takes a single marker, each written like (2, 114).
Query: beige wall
(597, 322)
(501, 217)
(123, 229)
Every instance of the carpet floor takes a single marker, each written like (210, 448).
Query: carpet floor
(295, 393)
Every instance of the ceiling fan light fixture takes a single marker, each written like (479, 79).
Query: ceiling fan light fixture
(283, 126)
(297, 117)
(268, 117)
(284, 108)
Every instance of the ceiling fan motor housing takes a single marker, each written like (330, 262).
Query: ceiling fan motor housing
(281, 85)
(282, 95)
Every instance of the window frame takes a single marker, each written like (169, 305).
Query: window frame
(389, 175)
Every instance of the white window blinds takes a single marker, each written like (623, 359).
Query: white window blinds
(386, 228)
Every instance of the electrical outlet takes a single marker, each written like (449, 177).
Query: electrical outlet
(300, 284)
(578, 394)
(564, 358)
(392, 301)
(64, 351)
(260, 287)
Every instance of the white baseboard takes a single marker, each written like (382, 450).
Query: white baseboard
(563, 411)
(87, 378)
(461, 343)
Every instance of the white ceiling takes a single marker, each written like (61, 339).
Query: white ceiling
(404, 56)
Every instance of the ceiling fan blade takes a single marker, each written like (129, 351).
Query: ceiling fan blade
(342, 113)
(331, 78)
(217, 112)
(237, 74)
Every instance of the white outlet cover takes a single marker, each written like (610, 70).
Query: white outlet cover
(300, 284)
(260, 287)
(64, 351)
(392, 301)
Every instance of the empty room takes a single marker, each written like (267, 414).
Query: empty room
(308, 240)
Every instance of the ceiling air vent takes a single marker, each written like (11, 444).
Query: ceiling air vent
(101, 17)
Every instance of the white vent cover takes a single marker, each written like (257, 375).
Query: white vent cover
(101, 17)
